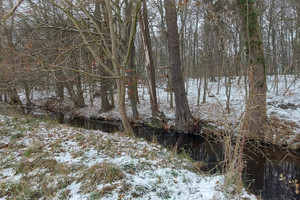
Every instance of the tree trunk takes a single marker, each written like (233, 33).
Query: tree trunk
(131, 83)
(15, 99)
(105, 105)
(131, 68)
(27, 93)
(183, 116)
(149, 59)
(59, 89)
(79, 92)
(59, 85)
(76, 95)
(205, 84)
(120, 71)
(121, 104)
(297, 42)
(5, 98)
(72, 93)
(199, 91)
(274, 62)
(256, 116)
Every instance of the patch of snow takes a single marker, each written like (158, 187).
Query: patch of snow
(147, 178)
(74, 192)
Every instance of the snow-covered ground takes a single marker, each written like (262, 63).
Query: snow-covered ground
(41, 159)
(282, 108)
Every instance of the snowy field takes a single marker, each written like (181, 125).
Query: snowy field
(44, 160)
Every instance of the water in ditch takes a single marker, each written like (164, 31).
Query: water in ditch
(265, 167)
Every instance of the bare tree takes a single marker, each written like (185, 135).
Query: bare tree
(105, 105)
(113, 50)
(183, 115)
(131, 68)
(144, 25)
(11, 11)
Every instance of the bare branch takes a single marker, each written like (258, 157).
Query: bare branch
(11, 12)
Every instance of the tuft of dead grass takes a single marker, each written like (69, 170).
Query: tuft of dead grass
(50, 165)
(196, 167)
(107, 189)
(101, 173)
(22, 190)
(26, 166)
(33, 149)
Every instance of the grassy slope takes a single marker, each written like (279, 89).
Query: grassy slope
(40, 158)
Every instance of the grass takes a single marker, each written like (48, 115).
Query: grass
(101, 173)
(48, 160)
(33, 149)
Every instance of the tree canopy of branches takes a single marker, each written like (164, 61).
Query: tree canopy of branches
(105, 48)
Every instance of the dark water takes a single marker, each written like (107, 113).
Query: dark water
(263, 168)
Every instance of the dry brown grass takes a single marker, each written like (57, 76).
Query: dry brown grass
(297, 139)
(35, 148)
(196, 166)
(278, 131)
(100, 173)
(107, 189)
(41, 177)
(51, 166)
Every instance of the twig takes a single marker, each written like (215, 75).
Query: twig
(11, 12)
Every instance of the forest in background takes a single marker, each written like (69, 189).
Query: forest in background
(234, 63)
(102, 48)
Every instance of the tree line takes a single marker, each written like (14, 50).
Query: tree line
(103, 47)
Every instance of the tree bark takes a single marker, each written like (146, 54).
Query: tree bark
(59, 90)
(104, 83)
(183, 116)
(131, 67)
(256, 116)
(27, 93)
(149, 59)
(132, 89)
(79, 92)
(15, 99)
(105, 105)
(120, 71)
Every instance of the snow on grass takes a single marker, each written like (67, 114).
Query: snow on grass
(61, 162)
